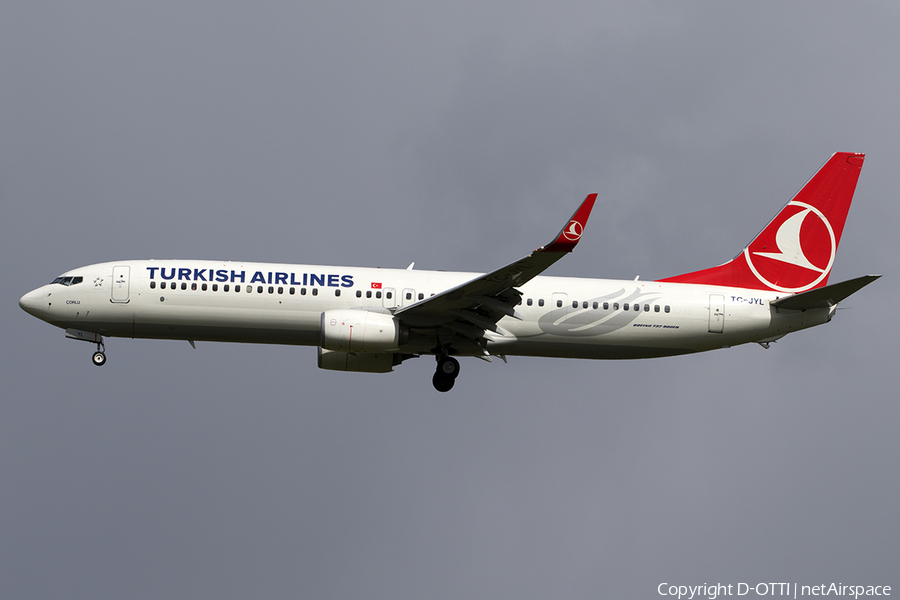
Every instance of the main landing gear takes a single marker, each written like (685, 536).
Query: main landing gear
(446, 373)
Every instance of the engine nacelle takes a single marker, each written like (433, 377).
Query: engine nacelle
(363, 362)
(360, 331)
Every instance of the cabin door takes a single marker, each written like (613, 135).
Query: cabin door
(716, 313)
(120, 283)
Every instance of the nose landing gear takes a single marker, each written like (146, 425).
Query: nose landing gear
(446, 373)
(99, 357)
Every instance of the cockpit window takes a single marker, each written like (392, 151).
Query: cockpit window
(67, 280)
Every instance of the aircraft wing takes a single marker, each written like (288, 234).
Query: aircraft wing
(475, 306)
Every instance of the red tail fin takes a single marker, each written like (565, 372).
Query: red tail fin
(796, 249)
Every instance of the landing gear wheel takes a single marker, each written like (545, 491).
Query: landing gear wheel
(442, 383)
(99, 358)
(447, 370)
(448, 367)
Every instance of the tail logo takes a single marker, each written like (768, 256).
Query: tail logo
(795, 252)
(573, 231)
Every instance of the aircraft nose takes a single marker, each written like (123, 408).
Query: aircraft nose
(33, 302)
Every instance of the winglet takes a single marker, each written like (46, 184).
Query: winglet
(570, 234)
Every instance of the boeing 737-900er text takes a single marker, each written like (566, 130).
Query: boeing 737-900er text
(371, 320)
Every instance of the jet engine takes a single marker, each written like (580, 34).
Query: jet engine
(362, 362)
(361, 331)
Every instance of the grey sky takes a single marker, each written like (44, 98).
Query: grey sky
(458, 136)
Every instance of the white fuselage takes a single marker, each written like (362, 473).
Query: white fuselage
(274, 303)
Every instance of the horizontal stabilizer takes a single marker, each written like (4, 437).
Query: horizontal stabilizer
(824, 297)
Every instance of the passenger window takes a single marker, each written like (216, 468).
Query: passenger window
(421, 296)
(540, 301)
(271, 289)
(337, 292)
(194, 287)
(596, 305)
(152, 285)
(359, 293)
(315, 291)
(559, 304)
(302, 291)
(408, 296)
(528, 302)
(280, 290)
(646, 308)
(574, 303)
(584, 304)
(291, 291)
(616, 306)
(203, 287)
(184, 286)
(667, 308)
(606, 306)
(378, 294)
(215, 287)
(249, 289)
(369, 294)
(388, 295)
(259, 289)
(625, 306)
(656, 308)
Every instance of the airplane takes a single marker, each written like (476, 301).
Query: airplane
(372, 319)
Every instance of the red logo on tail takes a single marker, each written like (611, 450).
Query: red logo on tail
(795, 252)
